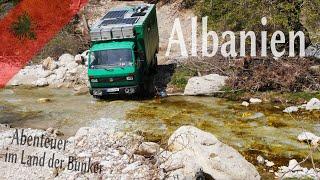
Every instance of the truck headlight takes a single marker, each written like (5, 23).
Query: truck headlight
(94, 80)
(129, 78)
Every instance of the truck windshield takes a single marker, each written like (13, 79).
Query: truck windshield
(111, 58)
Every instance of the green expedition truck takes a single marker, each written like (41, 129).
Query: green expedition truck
(123, 54)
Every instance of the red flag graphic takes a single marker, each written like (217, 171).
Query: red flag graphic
(48, 16)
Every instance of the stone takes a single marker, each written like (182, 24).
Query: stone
(315, 69)
(294, 165)
(269, 163)
(192, 148)
(41, 82)
(66, 59)
(78, 59)
(50, 130)
(148, 149)
(295, 171)
(61, 72)
(44, 74)
(43, 100)
(260, 159)
(245, 103)
(85, 57)
(255, 100)
(291, 109)
(313, 104)
(308, 137)
(205, 85)
(49, 64)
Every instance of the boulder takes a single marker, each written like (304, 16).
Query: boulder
(313, 104)
(192, 149)
(204, 85)
(66, 59)
(49, 64)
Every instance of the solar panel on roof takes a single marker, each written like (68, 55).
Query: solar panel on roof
(115, 14)
(119, 21)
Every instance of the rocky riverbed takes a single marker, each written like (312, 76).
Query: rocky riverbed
(189, 153)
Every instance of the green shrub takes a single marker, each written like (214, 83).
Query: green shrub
(23, 28)
(181, 76)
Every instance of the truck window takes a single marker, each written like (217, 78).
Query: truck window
(111, 58)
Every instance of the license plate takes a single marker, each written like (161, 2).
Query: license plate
(113, 90)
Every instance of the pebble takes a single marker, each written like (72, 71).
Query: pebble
(260, 159)
(43, 100)
(255, 100)
(269, 163)
(245, 103)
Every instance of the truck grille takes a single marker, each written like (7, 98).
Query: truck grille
(112, 79)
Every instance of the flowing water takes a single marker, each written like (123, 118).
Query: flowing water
(261, 129)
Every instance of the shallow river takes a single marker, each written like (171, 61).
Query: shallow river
(255, 130)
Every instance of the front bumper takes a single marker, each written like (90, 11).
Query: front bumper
(115, 90)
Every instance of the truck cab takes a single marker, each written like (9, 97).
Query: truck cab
(122, 57)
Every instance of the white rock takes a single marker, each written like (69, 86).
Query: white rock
(41, 82)
(294, 165)
(260, 159)
(291, 109)
(269, 163)
(255, 100)
(85, 56)
(148, 148)
(204, 85)
(192, 148)
(309, 137)
(61, 72)
(49, 64)
(66, 59)
(78, 59)
(44, 74)
(245, 103)
(313, 104)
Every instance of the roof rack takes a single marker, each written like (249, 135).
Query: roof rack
(118, 23)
